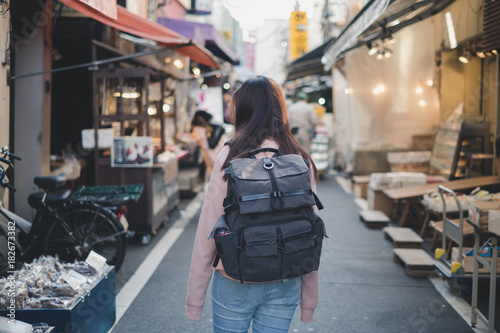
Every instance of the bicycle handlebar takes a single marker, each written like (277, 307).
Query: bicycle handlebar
(6, 152)
(14, 156)
(6, 161)
(10, 187)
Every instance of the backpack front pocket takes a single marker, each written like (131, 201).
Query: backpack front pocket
(297, 236)
(260, 241)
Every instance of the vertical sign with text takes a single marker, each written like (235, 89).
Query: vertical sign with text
(298, 34)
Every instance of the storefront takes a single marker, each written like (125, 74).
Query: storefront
(127, 77)
(399, 79)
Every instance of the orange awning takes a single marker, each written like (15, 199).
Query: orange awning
(141, 27)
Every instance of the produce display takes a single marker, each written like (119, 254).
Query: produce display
(48, 283)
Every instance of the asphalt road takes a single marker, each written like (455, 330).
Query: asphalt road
(362, 289)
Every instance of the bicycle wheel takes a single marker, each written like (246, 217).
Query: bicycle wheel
(85, 227)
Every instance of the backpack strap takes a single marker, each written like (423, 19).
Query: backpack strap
(318, 202)
(277, 152)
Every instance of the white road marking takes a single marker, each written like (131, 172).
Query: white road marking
(458, 304)
(136, 283)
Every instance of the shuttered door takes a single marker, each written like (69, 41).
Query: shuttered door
(491, 26)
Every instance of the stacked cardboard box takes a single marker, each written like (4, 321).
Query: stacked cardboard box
(468, 259)
(478, 212)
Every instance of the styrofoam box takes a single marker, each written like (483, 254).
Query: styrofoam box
(104, 137)
(409, 157)
(494, 221)
(379, 181)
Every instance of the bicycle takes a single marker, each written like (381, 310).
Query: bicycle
(67, 228)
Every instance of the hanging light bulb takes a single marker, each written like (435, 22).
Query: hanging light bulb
(390, 40)
(380, 55)
(373, 50)
(464, 58)
(388, 53)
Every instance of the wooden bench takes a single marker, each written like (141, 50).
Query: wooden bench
(409, 195)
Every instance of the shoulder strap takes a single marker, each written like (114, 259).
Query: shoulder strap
(277, 152)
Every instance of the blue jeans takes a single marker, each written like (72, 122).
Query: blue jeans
(270, 305)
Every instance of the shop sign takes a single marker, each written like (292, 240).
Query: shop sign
(298, 34)
(132, 152)
(200, 7)
(106, 7)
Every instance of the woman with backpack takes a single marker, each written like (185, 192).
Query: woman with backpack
(260, 118)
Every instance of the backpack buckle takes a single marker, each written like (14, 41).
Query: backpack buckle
(267, 163)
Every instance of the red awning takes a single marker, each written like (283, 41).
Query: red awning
(141, 27)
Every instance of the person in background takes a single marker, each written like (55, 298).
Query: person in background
(226, 100)
(209, 138)
(259, 112)
(303, 119)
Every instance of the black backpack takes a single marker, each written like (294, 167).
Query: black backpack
(269, 230)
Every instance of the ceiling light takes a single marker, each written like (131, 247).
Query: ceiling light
(347, 91)
(430, 83)
(451, 30)
(196, 71)
(465, 57)
(204, 86)
(166, 108)
(226, 86)
(380, 55)
(390, 40)
(373, 50)
(178, 63)
(422, 103)
(480, 54)
(321, 101)
(419, 90)
(494, 52)
(152, 110)
(388, 53)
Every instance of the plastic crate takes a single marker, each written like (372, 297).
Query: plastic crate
(109, 195)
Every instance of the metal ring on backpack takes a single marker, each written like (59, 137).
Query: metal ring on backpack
(268, 165)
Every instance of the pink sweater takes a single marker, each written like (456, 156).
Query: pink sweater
(204, 249)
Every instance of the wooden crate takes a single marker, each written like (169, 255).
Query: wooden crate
(377, 200)
(403, 237)
(417, 262)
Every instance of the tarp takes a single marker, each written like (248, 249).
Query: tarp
(380, 19)
(141, 27)
(362, 21)
(206, 35)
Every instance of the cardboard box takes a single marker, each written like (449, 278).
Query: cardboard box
(478, 212)
(494, 221)
(377, 200)
(468, 261)
(96, 312)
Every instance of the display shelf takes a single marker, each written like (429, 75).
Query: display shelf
(454, 143)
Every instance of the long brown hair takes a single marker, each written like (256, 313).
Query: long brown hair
(259, 112)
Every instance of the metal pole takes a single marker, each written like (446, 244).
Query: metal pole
(475, 272)
(493, 284)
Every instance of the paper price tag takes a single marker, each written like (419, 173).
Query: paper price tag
(95, 260)
(75, 280)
